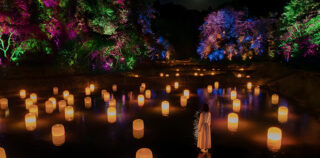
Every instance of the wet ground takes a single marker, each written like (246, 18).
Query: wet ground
(91, 135)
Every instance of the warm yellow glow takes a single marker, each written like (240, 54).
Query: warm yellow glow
(161, 74)
(62, 105)
(54, 102)
(201, 74)
(30, 121)
(249, 85)
(70, 99)
(112, 114)
(216, 85)
(274, 139)
(239, 75)
(177, 74)
(138, 128)
(186, 93)
(140, 100)
(233, 121)
(165, 107)
(241, 69)
(87, 91)
(168, 89)
(106, 97)
(236, 105)
(233, 95)
(148, 94)
(4, 103)
(87, 102)
(113, 103)
(91, 86)
(68, 113)
(23, 93)
(34, 97)
(275, 99)
(65, 94)
(49, 107)
(283, 114)
(142, 89)
(257, 91)
(183, 101)
(212, 73)
(2, 153)
(58, 134)
(209, 88)
(103, 92)
(195, 74)
(143, 85)
(114, 87)
(176, 85)
(55, 90)
(144, 153)
(34, 109)
(167, 75)
(28, 102)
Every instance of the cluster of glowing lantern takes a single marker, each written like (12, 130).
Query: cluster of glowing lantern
(68, 113)
(274, 139)
(144, 153)
(33, 97)
(216, 85)
(28, 103)
(275, 99)
(4, 103)
(161, 74)
(233, 95)
(195, 74)
(165, 107)
(186, 93)
(30, 121)
(55, 90)
(236, 105)
(176, 85)
(2, 153)
(70, 99)
(183, 101)
(49, 107)
(249, 85)
(91, 86)
(233, 121)
(87, 102)
(209, 88)
(113, 102)
(114, 87)
(87, 91)
(112, 114)
(23, 94)
(283, 114)
(148, 94)
(168, 89)
(177, 74)
(34, 110)
(257, 91)
(140, 100)
(106, 97)
(138, 128)
(65, 94)
(62, 105)
(58, 134)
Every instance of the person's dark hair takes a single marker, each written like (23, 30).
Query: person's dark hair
(205, 108)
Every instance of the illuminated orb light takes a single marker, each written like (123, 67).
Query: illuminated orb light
(143, 85)
(168, 89)
(113, 103)
(195, 74)
(201, 74)
(70, 99)
(68, 113)
(239, 75)
(54, 102)
(212, 73)
(233, 95)
(112, 114)
(257, 91)
(167, 75)
(186, 93)
(58, 134)
(49, 107)
(28, 103)
(4, 103)
(165, 107)
(144, 153)
(114, 87)
(87, 91)
(30, 121)
(106, 97)
(283, 114)
(55, 90)
(138, 128)
(241, 69)
(183, 101)
(209, 88)
(233, 121)
(249, 85)
(91, 86)
(274, 139)
(140, 100)
(148, 94)
(23, 93)
(65, 94)
(161, 74)
(177, 74)
(275, 99)
(216, 85)
(33, 97)
(34, 110)
(176, 85)
(62, 105)
(87, 102)
(2, 153)
(236, 105)
(142, 89)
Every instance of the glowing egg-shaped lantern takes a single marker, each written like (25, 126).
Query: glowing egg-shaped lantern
(138, 128)
(34, 109)
(195, 74)
(30, 121)
(186, 93)
(177, 74)
(106, 97)
(58, 134)
(239, 75)
(65, 94)
(114, 87)
(144, 153)
(161, 74)
(54, 102)
(113, 103)
(233, 95)
(176, 85)
(112, 114)
(249, 85)
(233, 121)
(275, 99)
(55, 90)
(257, 91)
(183, 101)
(62, 105)
(148, 94)
(168, 89)
(23, 93)
(274, 139)
(4, 103)
(236, 105)
(87, 102)
(103, 92)
(2, 153)
(91, 86)
(283, 114)
(216, 85)
(165, 107)
(28, 103)
(140, 100)
(70, 99)
(87, 91)
(212, 73)
(49, 107)
(209, 89)
(34, 97)
(68, 113)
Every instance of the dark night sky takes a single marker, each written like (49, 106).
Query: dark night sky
(197, 4)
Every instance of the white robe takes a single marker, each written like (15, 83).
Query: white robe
(204, 135)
